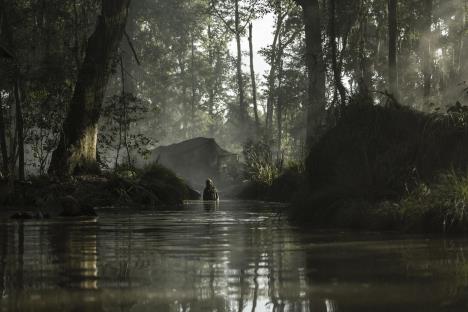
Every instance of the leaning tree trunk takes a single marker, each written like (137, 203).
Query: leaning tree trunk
(76, 152)
(316, 71)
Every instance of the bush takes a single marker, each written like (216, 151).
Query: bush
(260, 167)
(167, 186)
(377, 154)
(282, 188)
(438, 207)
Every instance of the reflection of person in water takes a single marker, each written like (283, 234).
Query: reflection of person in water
(210, 192)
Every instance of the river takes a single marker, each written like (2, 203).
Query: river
(236, 256)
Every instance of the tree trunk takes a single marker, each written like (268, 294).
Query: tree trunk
(192, 78)
(76, 152)
(185, 97)
(316, 71)
(19, 129)
(3, 145)
(211, 84)
(364, 75)
(254, 84)
(240, 82)
(463, 41)
(279, 102)
(272, 73)
(392, 47)
(16, 149)
(426, 46)
(333, 48)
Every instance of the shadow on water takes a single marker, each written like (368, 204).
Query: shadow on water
(227, 256)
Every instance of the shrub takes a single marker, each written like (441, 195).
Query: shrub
(438, 207)
(165, 184)
(260, 167)
(377, 153)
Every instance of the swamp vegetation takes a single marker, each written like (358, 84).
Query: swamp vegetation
(354, 112)
(335, 133)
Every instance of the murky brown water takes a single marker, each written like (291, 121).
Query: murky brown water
(241, 256)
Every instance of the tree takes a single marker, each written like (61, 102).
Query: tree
(244, 12)
(392, 47)
(316, 70)
(76, 151)
(426, 46)
(336, 67)
(273, 59)
(240, 79)
(252, 77)
(17, 146)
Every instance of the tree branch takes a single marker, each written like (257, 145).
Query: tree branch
(131, 47)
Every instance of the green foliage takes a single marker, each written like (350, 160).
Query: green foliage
(379, 153)
(116, 135)
(374, 157)
(270, 180)
(163, 182)
(441, 206)
(187, 73)
(260, 167)
(155, 186)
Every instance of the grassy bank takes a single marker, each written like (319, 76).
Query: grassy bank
(153, 186)
(268, 178)
(388, 168)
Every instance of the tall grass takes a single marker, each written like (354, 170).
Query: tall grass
(260, 167)
(441, 206)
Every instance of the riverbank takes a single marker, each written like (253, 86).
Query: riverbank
(154, 186)
(382, 168)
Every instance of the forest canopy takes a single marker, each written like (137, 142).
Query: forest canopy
(170, 70)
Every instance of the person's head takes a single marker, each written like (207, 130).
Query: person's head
(209, 182)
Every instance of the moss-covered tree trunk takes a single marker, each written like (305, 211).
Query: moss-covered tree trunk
(76, 152)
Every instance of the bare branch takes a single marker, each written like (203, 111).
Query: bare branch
(131, 47)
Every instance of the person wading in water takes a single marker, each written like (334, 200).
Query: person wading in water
(210, 193)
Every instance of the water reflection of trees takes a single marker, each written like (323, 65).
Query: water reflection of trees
(217, 260)
(43, 262)
(212, 262)
(217, 263)
(389, 275)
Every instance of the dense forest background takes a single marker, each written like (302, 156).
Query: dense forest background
(184, 69)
